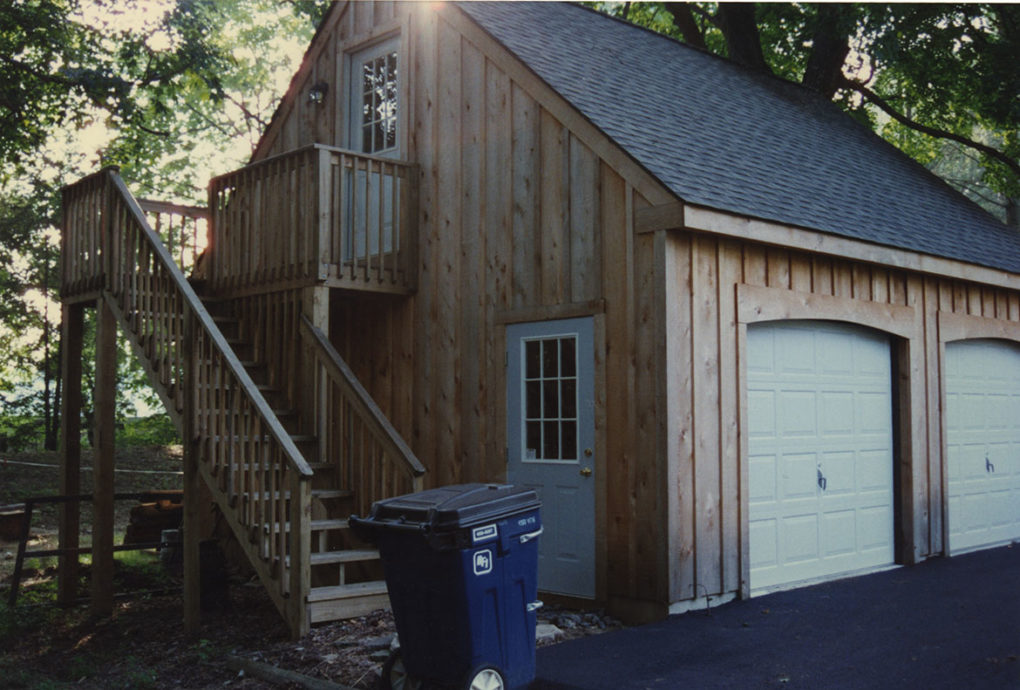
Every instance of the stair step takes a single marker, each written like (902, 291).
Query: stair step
(345, 556)
(321, 494)
(328, 525)
(359, 589)
(316, 526)
(346, 601)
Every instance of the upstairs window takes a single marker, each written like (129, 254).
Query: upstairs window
(374, 99)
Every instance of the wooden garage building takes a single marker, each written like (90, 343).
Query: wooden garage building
(734, 339)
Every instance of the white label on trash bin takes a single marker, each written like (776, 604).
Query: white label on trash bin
(483, 562)
(483, 533)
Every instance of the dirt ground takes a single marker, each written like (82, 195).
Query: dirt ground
(143, 645)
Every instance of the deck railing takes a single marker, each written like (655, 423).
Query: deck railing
(315, 215)
(255, 471)
(354, 434)
(184, 229)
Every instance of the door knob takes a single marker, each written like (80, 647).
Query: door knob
(585, 471)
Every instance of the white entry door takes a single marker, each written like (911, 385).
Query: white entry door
(983, 443)
(820, 445)
(551, 435)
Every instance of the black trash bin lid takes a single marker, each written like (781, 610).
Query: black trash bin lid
(457, 506)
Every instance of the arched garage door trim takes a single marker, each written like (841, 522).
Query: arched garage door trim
(821, 460)
(962, 328)
(756, 304)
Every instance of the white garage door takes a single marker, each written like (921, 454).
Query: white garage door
(983, 443)
(820, 442)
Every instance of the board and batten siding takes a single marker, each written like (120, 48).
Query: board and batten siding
(714, 286)
(527, 213)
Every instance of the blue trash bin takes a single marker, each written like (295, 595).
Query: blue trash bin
(461, 566)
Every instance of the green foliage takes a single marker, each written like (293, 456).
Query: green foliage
(155, 430)
(171, 97)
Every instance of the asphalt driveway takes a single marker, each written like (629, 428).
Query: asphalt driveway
(945, 623)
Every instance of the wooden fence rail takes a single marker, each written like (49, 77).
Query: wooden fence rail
(317, 215)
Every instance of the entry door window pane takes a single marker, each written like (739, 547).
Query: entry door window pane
(550, 398)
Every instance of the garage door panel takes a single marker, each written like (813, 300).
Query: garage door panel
(982, 443)
(838, 474)
(839, 532)
(800, 541)
(797, 412)
(761, 407)
(795, 352)
(839, 353)
(836, 413)
(998, 408)
(762, 479)
(829, 392)
(764, 536)
(873, 470)
(798, 477)
(872, 412)
(873, 521)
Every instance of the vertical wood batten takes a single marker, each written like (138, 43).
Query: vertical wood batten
(683, 517)
(706, 428)
(473, 325)
(446, 328)
(729, 270)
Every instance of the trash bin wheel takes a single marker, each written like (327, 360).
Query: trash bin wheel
(485, 678)
(395, 675)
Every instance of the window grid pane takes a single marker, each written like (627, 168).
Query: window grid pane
(550, 399)
(379, 99)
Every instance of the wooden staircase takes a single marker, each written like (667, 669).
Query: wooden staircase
(289, 446)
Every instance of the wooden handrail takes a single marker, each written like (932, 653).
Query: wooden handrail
(212, 330)
(201, 314)
(374, 483)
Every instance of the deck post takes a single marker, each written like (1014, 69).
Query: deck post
(69, 528)
(103, 460)
(191, 522)
(315, 305)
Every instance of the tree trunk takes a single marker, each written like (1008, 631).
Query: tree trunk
(829, 47)
(683, 20)
(739, 25)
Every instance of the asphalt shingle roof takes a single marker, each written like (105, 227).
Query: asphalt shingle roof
(718, 135)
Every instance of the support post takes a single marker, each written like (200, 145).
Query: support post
(191, 522)
(315, 305)
(72, 323)
(103, 460)
(300, 546)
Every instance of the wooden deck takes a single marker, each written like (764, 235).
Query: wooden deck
(318, 215)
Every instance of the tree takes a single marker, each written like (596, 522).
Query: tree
(920, 75)
(170, 97)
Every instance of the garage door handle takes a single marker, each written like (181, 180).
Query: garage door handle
(822, 481)
(989, 467)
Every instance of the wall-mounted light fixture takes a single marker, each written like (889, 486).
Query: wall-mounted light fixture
(317, 94)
